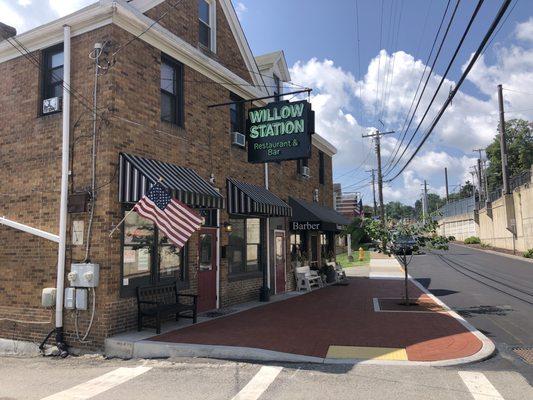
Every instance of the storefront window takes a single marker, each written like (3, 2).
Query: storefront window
(141, 242)
(244, 247)
(326, 246)
(296, 246)
(138, 243)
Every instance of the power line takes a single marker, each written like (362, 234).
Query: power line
(356, 168)
(404, 133)
(443, 78)
(122, 47)
(473, 60)
(500, 27)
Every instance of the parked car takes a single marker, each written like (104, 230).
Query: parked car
(404, 244)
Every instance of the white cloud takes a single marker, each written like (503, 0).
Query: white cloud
(11, 16)
(470, 122)
(63, 8)
(240, 9)
(332, 103)
(24, 3)
(524, 30)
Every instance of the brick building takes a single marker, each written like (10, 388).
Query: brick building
(157, 78)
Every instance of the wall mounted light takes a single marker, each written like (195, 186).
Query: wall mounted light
(227, 227)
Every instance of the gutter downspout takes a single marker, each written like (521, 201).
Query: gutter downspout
(61, 252)
(265, 288)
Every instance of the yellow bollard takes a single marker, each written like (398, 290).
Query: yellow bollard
(361, 254)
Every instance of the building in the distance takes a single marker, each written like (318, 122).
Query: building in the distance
(347, 204)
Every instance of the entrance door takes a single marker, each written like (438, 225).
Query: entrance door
(314, 251)
(280, 258)
(207, 270)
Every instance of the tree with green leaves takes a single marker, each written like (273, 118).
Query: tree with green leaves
(519, 140)
(397, 211)
(385, 240)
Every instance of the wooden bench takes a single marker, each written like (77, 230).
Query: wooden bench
(157, 301)
(306, 278)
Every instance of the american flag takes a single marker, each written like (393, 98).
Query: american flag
(358, 209)
(172, 217)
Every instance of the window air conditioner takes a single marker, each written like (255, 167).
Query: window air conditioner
(51, 105)
(238, 139)
(305, 171)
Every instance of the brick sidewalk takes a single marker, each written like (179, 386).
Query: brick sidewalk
(338, 316)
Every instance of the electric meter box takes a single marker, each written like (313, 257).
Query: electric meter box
(70, 298)
(84, 275)
(81, 299)
(48, 297)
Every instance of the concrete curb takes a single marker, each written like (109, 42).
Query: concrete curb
(10, 347)
(497, 253)
(487, 346)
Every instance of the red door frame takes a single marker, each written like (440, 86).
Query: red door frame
(284, 252)
(207, 279)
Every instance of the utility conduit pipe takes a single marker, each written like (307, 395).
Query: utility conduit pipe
(61, 252)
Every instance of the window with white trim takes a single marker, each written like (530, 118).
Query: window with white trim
(207, 24)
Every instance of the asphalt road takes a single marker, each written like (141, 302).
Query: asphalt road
(492, 292)
(92, 377)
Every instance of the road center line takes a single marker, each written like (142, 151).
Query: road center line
(99, 384)
(479, 386)
(258, 384)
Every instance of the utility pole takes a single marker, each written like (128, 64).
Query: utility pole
(377, 137)
(425, 207)
(374, 191)
(446, 181)
(503, 144)
(481, 175)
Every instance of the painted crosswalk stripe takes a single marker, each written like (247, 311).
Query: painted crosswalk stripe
(479, 386)
(258, 384)
(99, 384)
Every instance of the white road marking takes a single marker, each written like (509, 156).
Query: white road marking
(99, 384)
(479, 386)
(258, 384)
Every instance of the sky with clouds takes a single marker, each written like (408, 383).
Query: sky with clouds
(364, 60)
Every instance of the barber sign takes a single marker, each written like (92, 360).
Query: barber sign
(305, 226)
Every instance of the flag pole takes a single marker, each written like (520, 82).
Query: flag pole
(120, 223)
(127, 214)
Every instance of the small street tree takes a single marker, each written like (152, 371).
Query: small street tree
(402, 238)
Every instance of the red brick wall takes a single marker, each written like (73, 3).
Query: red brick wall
(129, 121)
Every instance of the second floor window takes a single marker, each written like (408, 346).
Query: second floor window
(171, 91)
(206, 24)
(236, 112)
(52, 76)
(277, 88)
(321, 167)
(303, 162)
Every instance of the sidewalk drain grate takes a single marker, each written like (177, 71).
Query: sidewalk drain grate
(525, 353)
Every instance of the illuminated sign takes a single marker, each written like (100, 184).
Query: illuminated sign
(280, 131)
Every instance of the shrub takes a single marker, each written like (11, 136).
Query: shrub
(472, 240)
(451, 238)
(528, 253)
(485, 245)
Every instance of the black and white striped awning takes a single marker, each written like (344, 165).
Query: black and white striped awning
(137, 175)
(247, 199)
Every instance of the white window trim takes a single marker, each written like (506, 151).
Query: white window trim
(212, 24)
